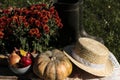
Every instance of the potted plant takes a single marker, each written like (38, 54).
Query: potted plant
(30, 28)
(25, 30)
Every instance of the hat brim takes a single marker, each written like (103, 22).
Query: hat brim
(97, 72)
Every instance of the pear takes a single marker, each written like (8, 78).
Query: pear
(14, 58)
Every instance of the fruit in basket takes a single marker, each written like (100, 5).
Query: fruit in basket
(20, 61)
(14, 58)
(22, 52)
(52, 65)
(20, 58)
(25, 61)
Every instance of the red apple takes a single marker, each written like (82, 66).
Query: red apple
(25, 61)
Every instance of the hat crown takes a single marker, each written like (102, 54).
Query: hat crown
(91, 51)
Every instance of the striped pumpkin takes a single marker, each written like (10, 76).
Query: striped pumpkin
(52, 65)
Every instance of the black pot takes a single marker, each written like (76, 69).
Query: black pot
(69, 14)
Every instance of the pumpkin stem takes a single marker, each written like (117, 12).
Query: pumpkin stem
(53, 58)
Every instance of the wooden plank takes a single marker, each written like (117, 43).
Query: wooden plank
(8, 78)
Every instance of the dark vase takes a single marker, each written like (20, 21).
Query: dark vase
(70, 12)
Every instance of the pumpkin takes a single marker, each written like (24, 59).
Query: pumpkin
(52, 65)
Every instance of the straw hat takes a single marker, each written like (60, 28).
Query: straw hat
(91, 56)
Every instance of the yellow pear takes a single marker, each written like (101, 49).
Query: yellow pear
(22, 52)
(14, 58)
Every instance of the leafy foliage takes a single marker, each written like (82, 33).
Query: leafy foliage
(29, 28)
(102, 18)
(21, 3)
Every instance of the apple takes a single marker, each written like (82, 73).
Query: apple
(25, 61)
